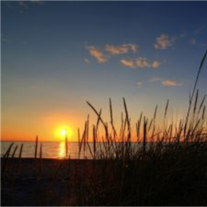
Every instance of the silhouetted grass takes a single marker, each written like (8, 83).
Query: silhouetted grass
(166, 166)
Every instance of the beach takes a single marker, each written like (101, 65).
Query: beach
(161, 176)
(39, 182)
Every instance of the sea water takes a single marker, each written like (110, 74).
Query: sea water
(58, 149)
(49, 150)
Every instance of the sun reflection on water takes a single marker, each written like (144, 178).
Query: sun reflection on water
(62, 150)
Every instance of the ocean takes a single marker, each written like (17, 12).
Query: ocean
(49, 150)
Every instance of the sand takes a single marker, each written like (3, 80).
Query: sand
(41, 182)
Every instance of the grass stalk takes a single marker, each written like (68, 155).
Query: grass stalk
(19, 158)
(13, 154)
(36, 147)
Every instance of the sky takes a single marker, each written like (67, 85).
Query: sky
(55, 56)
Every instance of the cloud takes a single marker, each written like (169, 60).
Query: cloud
(169, 82)
(163, 42)
(141, 62)
(37, 2)
(156, 64)
(193, 41)
(155, 79)
(4, 39)
(96, 53)
(165, 82)
(102, 57)
(86, 60)
(128, 63)
(202, 28)
(139, 84)
(118, 50)
(182, 35)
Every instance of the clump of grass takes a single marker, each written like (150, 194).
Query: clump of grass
(164, 166)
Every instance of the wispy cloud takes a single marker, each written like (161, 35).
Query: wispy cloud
(163, 42)
(5, 39)
(141, 62)
(128, 63)
(140, 84)
(156, 64)
(98, 54)
(103, 54)
(202, 28)
(165, 82)
(118, 50)
(169, 82)
(194, 42)
(182, 35)
(155, 79)
(86, 60)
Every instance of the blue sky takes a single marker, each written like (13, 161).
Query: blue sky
(57, 55)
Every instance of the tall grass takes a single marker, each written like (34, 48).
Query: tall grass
(164, 166)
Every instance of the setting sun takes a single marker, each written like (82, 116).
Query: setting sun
(63, 131)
